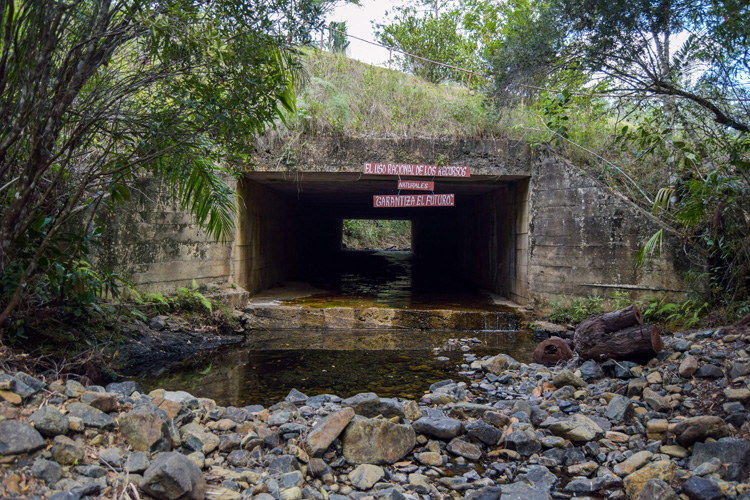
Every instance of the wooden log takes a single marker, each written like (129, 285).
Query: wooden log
(552, 351)
(637, 342)
(612, 321)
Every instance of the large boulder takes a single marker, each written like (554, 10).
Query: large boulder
(733, 452)
(172, 476)
(377, 441)
(697, 429)
(635, 482)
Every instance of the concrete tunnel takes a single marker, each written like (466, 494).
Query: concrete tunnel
(291, 227)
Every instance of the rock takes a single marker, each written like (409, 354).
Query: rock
(636, 387)
(377, 441)
(634, 483)
(497, 365)
(464, 449)
(144, 430)
(620, 409)
(112, 457)
(522, 491)
(283, 464)
(158, 323)
(656, 489)
(655, 401)
(292, 479)
(483, 432)
(567, 377)
(296, 397)
(91, 417)
(137, 462)
(674, 451)
(126, 388)
(327, 430)
(49, 421)
(173, 476)
(18, 437)
(441, 428)
(709, 371)
(104, 401)
(17, 386)
(365, 476)
(699, 429)
(35, 384)
(369, 405)
(577, 428)
(525, 442)
(467, 410)
(633, 463)
(742, 395)
(47, 470)
(196, 438)
(456, 483)
(430, 458)
(590, 370)
(733, 452)
(688, 367)
(486, 493)
(65, 451)
(697, 488)
(585, 485)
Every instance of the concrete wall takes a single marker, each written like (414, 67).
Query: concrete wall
(582, 239)
(152, 241)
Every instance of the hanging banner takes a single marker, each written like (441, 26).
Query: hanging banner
(413, 200)
(416, 185)
(416, 170)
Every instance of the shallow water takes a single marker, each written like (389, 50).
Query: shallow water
(268, 365)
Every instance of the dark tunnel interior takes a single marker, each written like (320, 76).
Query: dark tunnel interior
(292, 229)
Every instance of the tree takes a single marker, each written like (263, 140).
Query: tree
(95, 93)
(437, 36)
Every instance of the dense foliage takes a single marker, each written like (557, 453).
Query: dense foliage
(96, 93)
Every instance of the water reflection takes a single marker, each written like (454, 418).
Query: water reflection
(390, 363)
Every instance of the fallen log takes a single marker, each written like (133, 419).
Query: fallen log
(637, 342)
(552, 351)
(611, 322)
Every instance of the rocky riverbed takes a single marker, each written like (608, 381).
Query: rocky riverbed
(674, 427)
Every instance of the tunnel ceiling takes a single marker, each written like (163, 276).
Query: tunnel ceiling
(352, 188)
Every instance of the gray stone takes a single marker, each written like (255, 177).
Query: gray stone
(523, 491)
(327, 430)
(49, 421)
(567, 377)
(91, 470)
(468, 410)
(585, 485)
(34, 383)
(279, 417)
(390, 494)
(47, 470)
(283, 464)
(158, 323)
(464, 449)
(697, 488)
(456, 483)
(577, 428)
(92, 417)
(181, 397)
(173, 476)
(540, 476)
(295, 397)
(655, 401)
(369, 405)
(137, 462)
(239, 458)
(17, 386)
(483, 432)
(620, 409)
(486, 493)
(709, 371)
(699, 429)
(525, 442)
(65, 495)
(292, 479)
(365, 476)
(733, 452)
(499, 364)
(656, 489)
(74, 389)
(737, 370)
(441, 428)
(111, 457)
(18, 437)
(590, 370)
(377, 441)
(636, 387)
(65, 451)
(144, 430)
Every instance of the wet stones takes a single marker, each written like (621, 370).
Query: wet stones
(377, 441)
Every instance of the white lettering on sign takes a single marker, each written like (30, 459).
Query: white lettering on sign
(416, 185)
(413, 200)
(416, 170)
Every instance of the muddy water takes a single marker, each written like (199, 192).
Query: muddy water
(390, 363)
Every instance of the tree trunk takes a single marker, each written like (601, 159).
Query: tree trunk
(632, 343)
(610, 322)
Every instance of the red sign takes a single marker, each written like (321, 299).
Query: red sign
(413, 200)
(416, 185)
(416, 170)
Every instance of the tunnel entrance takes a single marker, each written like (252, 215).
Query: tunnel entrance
(296, 229)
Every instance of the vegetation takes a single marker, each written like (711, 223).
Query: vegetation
(97, 93)
(365, 234)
